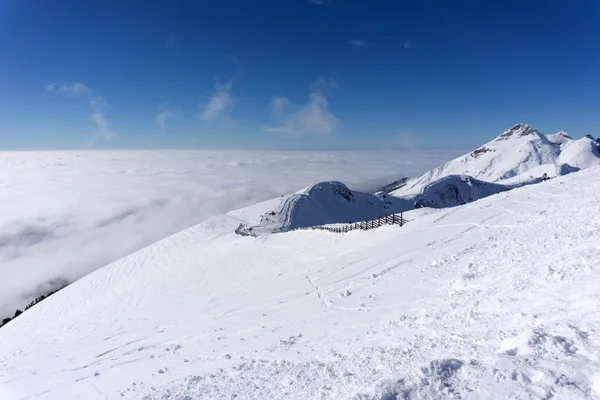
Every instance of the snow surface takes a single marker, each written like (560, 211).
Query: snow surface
(65, 214)
(494, 299)
(515, 155)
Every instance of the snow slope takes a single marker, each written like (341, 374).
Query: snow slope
(66, 213)
(514, 155)
(494, 299)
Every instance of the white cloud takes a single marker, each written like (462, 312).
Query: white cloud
(279, 105)
(74, 88)
(219, 101)
(313, 117)
(359, 43)
(97, 106)
(165, 113)
(409, 45)
(87, 209)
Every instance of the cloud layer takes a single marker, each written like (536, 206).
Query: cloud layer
(314, 117)
(66, 214)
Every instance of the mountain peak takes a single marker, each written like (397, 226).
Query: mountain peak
(519, 130)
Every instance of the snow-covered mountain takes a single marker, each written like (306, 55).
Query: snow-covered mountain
(513, 156)
(397, 184)
(494, 299)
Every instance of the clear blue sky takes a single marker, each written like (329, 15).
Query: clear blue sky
(294, 73)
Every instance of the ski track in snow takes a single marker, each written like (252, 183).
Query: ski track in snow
(495, 299)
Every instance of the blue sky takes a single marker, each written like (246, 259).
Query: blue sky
(294, 74)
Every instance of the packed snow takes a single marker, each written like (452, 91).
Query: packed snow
(67, 213)
(498, 298)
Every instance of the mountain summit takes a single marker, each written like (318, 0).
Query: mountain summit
(520, 150)
(519, 130)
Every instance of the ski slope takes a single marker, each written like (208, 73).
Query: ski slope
(498, 298)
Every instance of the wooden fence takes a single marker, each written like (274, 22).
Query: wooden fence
(390, 219)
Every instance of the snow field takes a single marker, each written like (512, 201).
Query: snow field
(493, 299)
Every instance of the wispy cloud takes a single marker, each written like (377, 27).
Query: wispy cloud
(314, 117)
(359, 43)
(96, 102)
(234, 59)
(409, 45)
(219, 101)
(240, 68)
(166, 112)
(74, 88)
(321, 2)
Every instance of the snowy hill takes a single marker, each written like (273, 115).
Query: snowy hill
(494, 299)
(518, 151)
(455, 190)
(333, 202)
(328, 203)
(581, 154)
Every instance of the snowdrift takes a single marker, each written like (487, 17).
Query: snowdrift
(515, 156)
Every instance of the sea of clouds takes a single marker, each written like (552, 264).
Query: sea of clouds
(65, 214)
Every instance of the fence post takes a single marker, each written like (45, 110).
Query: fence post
(401, 220)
